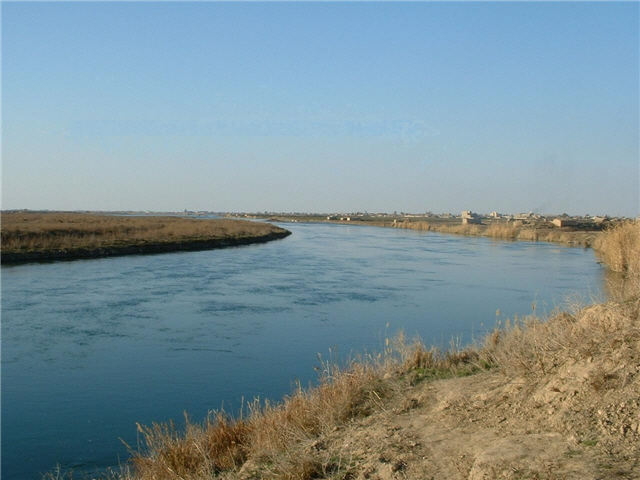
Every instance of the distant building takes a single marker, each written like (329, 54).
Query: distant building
(495, 215)
(563, 222)
(468, 217)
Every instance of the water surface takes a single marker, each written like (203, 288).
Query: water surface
(91, 347)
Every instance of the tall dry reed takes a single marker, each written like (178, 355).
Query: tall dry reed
(619, 248)
(506, 231)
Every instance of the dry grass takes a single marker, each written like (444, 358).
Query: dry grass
(275, 439)
(201, 449)
(38, 232)
(536, 346)
(282, 440)
(619, 249)
(507, 231)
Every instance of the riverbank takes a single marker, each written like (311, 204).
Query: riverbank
(38, 237)
(498, 229)
(564, 236)
(542, 398)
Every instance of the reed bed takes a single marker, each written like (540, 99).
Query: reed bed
(509, 232)
(619, 249)
(65, 232)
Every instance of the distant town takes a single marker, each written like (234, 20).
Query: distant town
(466, 217)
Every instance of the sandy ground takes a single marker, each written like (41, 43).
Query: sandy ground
(577, 423)
(581, 421)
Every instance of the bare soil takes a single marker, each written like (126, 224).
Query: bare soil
(581, 421)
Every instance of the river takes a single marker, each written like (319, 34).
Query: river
(91, 347)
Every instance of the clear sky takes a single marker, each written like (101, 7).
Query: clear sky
(513, 106)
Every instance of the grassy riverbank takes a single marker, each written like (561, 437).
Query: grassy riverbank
(59, 236)
(540, 398)
(508, 231)
(584, 235)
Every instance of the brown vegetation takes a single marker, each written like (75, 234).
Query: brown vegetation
(538, 398)
(507, 231)
(38, 236)
(283, 440)
(619, 249)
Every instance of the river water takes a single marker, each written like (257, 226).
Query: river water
(91, 347)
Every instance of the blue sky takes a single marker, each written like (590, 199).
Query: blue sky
(321, 106)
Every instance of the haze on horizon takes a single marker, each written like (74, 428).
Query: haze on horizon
(321, 107)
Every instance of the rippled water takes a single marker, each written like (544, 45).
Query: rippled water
(91, 347)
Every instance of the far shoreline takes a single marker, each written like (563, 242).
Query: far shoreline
(43, 238)
(148, 249)
(561, 236)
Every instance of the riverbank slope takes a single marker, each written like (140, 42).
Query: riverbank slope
(37, 237)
